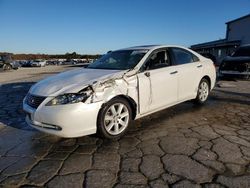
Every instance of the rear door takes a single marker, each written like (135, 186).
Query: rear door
(189, 70)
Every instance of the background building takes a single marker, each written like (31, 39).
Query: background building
(238, 33)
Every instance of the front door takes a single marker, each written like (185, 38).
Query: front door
(157, 82)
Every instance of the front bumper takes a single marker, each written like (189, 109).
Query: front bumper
(72, 120)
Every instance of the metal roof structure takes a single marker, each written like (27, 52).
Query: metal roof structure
(237, 19)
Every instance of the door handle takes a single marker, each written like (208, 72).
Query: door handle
(199, 66)
(174, 72)
(147, 74)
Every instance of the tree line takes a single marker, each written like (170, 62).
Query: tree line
(73, 55)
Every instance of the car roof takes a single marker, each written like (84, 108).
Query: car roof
(149, 47)
(155, 47)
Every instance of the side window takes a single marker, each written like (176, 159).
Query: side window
(195, 58)
(159, 59)
(182, 56)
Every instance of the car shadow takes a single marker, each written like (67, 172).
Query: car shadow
(216, 98)
(225, 95)
(234, 93)
(174, 111)
(12, 95)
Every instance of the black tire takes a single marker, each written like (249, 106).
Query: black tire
(198, 99)
(102, 128)
(7, 67)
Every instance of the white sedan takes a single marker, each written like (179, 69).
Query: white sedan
(121, 86)
(38, 63)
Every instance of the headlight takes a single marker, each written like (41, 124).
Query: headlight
(71, 98)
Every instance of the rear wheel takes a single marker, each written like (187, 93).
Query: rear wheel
(6, 67)
(114, 118)
(203, 91)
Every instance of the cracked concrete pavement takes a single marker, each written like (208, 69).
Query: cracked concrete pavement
(183, 146)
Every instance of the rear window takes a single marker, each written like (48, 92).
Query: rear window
(182, 56)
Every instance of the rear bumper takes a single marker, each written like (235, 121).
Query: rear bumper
(234, 73)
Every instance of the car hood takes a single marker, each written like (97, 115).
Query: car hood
(71, 81)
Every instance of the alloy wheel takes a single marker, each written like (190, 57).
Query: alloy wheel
(116, 118)
(203, 91)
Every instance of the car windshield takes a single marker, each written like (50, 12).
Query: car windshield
(242, 51)
(119, 60)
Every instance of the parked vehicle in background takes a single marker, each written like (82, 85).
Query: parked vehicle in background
(15, 65)
(38, 63)
(26, 63)
(121, 86)
(21, 62)
(6, 62)
(52, 62)
(68, 62)
(237, 65)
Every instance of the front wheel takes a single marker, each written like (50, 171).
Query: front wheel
(203, 92)
(114, 118)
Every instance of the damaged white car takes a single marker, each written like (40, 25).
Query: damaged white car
(121, 86)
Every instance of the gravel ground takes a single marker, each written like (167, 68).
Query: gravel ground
(183, 146)
(30, 73)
